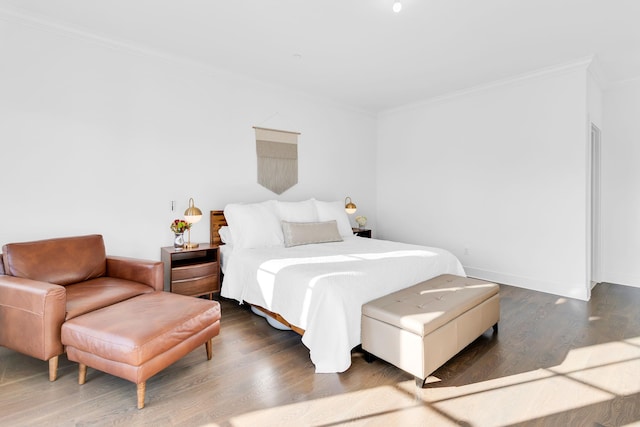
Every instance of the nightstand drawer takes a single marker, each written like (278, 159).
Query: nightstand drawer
(194, 271)
(200, 286)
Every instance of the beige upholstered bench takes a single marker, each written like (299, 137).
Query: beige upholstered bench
(419, 328)
(139, 337)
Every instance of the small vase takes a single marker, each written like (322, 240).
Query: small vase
(178, 241)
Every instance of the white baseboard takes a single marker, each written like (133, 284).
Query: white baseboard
(621, 279)
(577, 291)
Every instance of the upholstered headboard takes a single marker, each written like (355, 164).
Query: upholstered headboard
(216, 221)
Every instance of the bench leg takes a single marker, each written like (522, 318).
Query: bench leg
(82, 374)
(495, 328)
(370, 358)
(141, 388)
(53, 368)
(420, 382)
(207, 345)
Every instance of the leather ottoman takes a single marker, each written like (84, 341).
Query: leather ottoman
(421, 327)
(137, 338)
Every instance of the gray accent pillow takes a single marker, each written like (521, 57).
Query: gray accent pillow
(305, 233)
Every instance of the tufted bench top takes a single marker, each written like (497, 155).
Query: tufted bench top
(425, 307)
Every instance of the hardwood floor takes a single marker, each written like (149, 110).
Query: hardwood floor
(555, 362)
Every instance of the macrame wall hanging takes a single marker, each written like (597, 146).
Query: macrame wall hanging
(277, 159)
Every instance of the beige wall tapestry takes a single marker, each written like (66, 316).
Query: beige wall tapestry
(277, 159)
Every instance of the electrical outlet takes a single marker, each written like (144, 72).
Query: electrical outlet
(466, 250)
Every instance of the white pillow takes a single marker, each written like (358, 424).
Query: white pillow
(306, 233)
(297, 211)
(254, 225)
(225, 235)
(328, 211)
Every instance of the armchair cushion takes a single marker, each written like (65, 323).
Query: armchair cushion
(61, 261)
(91, 295)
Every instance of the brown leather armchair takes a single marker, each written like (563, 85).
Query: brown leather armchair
(47, 282)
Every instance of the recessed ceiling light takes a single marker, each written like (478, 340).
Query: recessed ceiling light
(397, 6)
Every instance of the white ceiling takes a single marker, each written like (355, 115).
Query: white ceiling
(360, 53)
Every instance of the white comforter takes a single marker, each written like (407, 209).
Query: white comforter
(321, 288)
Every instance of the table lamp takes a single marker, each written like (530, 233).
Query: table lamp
(192, 215)
(349, 206)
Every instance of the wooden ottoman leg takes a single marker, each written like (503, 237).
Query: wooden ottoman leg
(208, 347)
(142, 387)
(82, 374)
(53, 368)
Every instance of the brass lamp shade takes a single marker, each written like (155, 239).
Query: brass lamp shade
(349, 206)
(192, 215)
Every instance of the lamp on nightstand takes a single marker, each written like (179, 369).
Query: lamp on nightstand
(349, 206)
(192, 215)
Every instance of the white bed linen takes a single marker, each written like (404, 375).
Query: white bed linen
(225, 254)
(321, 288)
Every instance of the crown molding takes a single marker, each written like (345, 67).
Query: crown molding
(581, 63)
(596, 71)
(623, 82)
(47, 24)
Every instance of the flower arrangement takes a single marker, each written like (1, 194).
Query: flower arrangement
(180, 226)
(361, 220)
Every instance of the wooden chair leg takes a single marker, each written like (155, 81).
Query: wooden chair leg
(53, 368)
(141, 388)
(82, 374)
(208, 347)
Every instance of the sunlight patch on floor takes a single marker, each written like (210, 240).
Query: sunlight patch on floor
(633, 341)
(587, 376)
(376, 406)
(496, 402)
(509, 403)
(600, 354)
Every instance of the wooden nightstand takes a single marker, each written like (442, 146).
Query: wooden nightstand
(192, 272)
(362, 232)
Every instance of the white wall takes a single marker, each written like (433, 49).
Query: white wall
(99, 138)
(496, 175)
(621, 184)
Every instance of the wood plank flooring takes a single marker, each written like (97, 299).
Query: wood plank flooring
(555, 362)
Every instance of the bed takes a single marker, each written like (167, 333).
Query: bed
(318, 283)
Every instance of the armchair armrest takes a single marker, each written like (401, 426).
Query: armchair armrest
(32, 314)
(150, 273)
